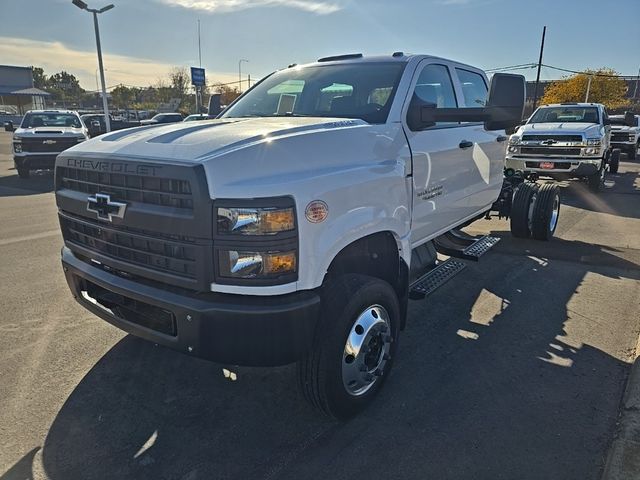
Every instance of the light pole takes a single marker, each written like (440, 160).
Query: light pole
(240, 73)
(83, 6)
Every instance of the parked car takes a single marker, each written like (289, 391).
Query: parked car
(295, 227)
(163, 118)
(42, 135)
(96, 125)
(568, 140)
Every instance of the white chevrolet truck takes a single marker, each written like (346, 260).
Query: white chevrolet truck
(295, 227)
(562, 141)
(625, 133)
(41, 136)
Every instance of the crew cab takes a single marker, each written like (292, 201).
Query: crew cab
(295, 227)
(568, 140)
(42, 135)
(625, 133)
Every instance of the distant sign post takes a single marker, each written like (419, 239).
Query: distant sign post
(197, 76)
(198, 81)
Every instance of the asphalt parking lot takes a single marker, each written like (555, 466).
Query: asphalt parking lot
(515, 369)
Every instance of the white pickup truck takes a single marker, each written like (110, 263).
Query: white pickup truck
(42, 135)
(625, 133)
(568, 140)
(295, 227)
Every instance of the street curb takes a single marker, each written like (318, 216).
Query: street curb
(623, 459)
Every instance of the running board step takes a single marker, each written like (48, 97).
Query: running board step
(428, 283)
(469, 248)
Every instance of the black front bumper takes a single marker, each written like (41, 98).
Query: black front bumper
(231, 329)
(36, 162)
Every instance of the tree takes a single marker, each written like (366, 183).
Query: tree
(606, 88)
(39, 78)
(180, 81)
(64, 86)
(124, 97)
(227, 93)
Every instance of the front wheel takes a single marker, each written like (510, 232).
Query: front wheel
(354, 346)
(614, 161)
(596, 181)
(23, 172)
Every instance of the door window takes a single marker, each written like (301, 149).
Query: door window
(474, 88)
(434, 85)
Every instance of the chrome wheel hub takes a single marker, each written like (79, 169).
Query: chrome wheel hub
(555, 213)
(367, 350)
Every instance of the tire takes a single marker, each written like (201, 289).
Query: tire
(614, 161)
(349, 302)
(632, 153)
(596, 181)
(23, 172)
(546, 212)
(521, 209)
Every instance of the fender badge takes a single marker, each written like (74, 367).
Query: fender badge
(317, 211)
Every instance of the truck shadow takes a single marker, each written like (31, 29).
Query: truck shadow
(40, 181)
(496, 378)
(615, 199)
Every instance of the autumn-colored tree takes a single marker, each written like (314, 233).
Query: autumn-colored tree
(606, 88)
(227, 93)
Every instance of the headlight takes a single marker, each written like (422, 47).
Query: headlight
(514, 140)
(513, 149)
(255, 221)
(593, 141)
(256, 265)
(591, 151)
(17, 145)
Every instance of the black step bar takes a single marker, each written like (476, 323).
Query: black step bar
(435, 278)
(460, 245)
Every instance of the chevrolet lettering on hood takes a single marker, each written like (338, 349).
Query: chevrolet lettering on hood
(113, 167)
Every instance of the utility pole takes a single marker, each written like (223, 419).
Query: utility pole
(586, 97)
(635, 91)
(240, 73)
(199, 88)
(105, 104)
(535, 90)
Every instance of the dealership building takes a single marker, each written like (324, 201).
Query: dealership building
(17, 93)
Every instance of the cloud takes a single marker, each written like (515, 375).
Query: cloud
(55, 56)
(313, 6)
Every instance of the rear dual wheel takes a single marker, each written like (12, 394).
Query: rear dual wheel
(535, 211)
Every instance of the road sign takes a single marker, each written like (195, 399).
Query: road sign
(197, 76)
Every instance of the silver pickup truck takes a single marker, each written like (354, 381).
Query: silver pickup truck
(568, 140)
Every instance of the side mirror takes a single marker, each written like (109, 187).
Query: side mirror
(8, 127)
(504, 108)
(506, 101)
(630, 119)
(94, 128)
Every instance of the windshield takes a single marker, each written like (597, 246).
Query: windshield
(34, 120)
(565, 114)
(363, 90)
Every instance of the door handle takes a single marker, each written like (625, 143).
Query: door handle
(465, 144)
(501, 138)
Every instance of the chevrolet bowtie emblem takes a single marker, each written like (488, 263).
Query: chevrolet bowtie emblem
(548, 142)
(49, 142)
(106, 209)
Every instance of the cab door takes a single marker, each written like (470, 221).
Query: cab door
(485, 167)
(441, 157)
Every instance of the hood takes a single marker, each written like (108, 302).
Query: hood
(38, 132)
(201, 141)
(560, 128)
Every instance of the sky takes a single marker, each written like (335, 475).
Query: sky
(143, 39)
